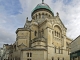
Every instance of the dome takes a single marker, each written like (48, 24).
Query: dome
(42, 6)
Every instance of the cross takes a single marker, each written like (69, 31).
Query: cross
(42, 1)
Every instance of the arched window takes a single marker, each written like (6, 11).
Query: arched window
(58, 58)
(52, 32)
(42, 31)
(49, 15)
(68, 52)
(15, 47)
(35, 33)
(55, 33)
(59, 50)
(59, 35)
(46, 14)
(63, 58)
(52, 58)
(30, 54)
(36, 16)
(27, 54)
(55, 49)
(42, 15)
(39, 15)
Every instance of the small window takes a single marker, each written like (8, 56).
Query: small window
(46, 15)
(52, 58)
(55, 33)
(55, 49)
(27, 59)
(39, 15)
(52, 32)
(49, 15)
(42, 31)
(35, 33)
(30, 54)
(59, 50)
(58, 58)
(59, 35)
(36, 16)
(63, 58)
(27, 54)
(15, 47)
(68, 52)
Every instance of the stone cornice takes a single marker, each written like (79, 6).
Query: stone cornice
(34, 49)
(21, 29)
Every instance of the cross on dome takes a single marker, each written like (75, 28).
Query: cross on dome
(42, 1)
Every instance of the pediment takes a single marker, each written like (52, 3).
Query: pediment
(57, 21)
(21, 46)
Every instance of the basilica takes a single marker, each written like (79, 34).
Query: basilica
(42, 38)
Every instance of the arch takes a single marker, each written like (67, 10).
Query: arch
(56, 25)
(58, 32)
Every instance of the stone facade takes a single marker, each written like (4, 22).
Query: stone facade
(42, 38)
(1, 53)
(5, 51)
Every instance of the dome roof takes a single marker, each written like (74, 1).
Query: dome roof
(42, 6)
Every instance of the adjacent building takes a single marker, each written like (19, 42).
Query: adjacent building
(6, 51)
(1, 53)
(75, 49)
(42, 38)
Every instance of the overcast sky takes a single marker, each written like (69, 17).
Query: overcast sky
(13, 15)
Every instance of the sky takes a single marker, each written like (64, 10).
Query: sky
(13, 14)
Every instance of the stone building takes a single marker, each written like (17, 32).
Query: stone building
(5, 52)
(1, 53)
(42, 38)
(75, 49)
